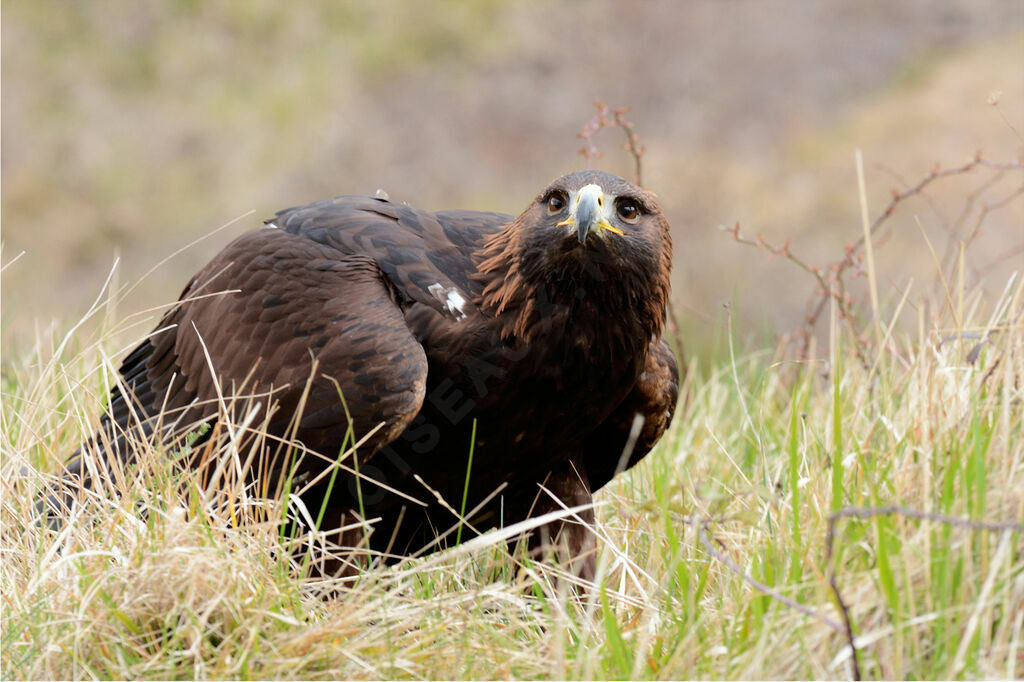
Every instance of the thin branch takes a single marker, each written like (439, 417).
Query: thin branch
(910, 512)
(993, 99)
(701, 524)
(612, 118)
(989, 208)
(968, 207)
(852, 259)
(890, 510)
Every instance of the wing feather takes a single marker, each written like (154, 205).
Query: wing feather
(302, 313)
(653, 398)
(425, 255)
(288, 322)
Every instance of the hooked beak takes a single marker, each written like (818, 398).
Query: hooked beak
(588, 210)
(587, 213)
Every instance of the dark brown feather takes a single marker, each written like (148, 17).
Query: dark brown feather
(426, 323)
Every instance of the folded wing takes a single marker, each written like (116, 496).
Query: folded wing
(305, 341)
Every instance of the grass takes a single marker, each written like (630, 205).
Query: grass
(714, 561)
(856, 515)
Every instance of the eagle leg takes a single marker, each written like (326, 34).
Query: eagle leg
(569, 541)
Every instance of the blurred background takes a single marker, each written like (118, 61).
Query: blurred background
(133, 128)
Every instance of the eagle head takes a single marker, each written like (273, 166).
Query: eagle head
(593, 224)
(589, 238)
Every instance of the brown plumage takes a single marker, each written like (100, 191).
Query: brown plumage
(545, 330)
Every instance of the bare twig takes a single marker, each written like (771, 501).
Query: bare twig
(851, 259)
(831, 282)
(701, 525)
(910, 512)
(993, 99)
(989, 208)
(611, 118)
(830, 286)
(969, 202)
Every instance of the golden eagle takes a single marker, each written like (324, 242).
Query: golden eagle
(483, 363)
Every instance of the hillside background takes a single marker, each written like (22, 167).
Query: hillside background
(860, 511)
(132, 129)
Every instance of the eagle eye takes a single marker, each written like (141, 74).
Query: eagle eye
(628, 210)
(556, 202)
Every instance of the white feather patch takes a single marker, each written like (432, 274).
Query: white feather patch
(452, 299)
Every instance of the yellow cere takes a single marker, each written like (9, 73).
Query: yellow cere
(596, 195)
(606, 225)
(603, 224)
